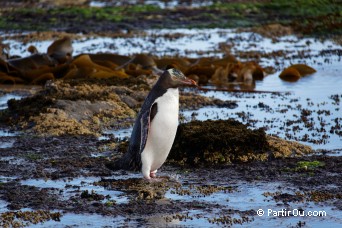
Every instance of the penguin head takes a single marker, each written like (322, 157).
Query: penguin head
(177, 78)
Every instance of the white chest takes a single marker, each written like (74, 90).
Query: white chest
(162, 130)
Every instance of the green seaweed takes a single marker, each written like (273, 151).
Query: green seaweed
(309, 165)
(320, 17)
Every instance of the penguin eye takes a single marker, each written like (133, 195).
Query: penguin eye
(176, 74)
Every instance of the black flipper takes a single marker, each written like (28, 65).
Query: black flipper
(145, 123)
(145, 127)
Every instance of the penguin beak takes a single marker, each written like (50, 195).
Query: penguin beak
(188, 81)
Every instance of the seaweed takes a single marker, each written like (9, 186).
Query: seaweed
(218, 142)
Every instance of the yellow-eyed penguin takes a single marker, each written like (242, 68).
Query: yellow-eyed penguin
(155, 127)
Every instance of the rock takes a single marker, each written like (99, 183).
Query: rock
(132, 103)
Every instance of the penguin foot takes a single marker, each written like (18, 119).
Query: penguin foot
(152, 177)
(153, 174)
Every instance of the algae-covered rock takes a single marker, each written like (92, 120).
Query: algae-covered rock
(220, 141)
(27, 218)
(226, 141)
(65, 109)
(57, 122)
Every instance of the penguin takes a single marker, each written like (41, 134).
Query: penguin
(155, 127)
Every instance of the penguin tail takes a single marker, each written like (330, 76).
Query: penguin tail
(114, 165)
(126, 162)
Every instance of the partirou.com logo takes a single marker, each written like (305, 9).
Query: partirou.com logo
(292, 212)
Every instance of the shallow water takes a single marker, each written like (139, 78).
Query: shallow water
(243, 197)
(80, 184)
(249, 196)
(7, 133)
(86, 220)
(5, 140)
(6, 144)
(120, 134)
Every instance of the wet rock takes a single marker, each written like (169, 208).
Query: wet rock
(131, 102)
(92, 196)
